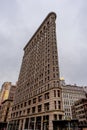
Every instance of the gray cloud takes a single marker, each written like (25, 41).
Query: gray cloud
(19, 20)
(74, 48)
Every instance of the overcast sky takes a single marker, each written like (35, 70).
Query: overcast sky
(19, 19)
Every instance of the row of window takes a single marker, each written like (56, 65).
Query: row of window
(39, 109)
(41, 77)
(67, 114)
(67, 109)
(80, 112)
(46, 96)
(57, 105)
(32, 110)
(39, 99)
(57, 93)
(68, 102)
(28, 93)
(43, 35)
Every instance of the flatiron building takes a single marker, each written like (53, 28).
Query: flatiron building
(37, 100)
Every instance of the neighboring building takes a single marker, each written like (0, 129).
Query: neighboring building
(7, 95)
(38, 95)
(85, 89)
(70, 94)
(6, 104)
(79, 111)
(0, 95)
(62, 81)
(5, 89)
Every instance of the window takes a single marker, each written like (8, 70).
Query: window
(25, 103)
(20, 112)
(53, 75)
(48, 77)
(21, 105)
(26, 123)
(33, 109)
(54, 93)
(59, 105)
(55, 117)
(18, 106)
(46, 96)
(28, 110)
(29, 102)
(12, 108)
(15, 107)
(46, 106)
(55, 104)
(40, 98)
(23, 111)
(34, 100)
(58, 92)
(39, 108)
(60, 117)
(16, 113)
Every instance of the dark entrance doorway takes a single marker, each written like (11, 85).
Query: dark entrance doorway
(65, 125)
(3, 126)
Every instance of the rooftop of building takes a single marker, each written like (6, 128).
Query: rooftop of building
(40, 27)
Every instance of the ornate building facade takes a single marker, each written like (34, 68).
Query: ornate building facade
(79, 111)
(70, 94)
(5, 89)
(6, 100)
(38, 99)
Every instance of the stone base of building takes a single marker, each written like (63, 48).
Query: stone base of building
(42, 122)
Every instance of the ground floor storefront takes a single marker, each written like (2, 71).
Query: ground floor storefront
(44, 123)
(66, 125)
(32, 123)
(3, 126)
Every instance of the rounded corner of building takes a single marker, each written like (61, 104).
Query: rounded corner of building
(52, 13)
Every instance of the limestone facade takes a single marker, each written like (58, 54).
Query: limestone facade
(38, 96)
(6, 100)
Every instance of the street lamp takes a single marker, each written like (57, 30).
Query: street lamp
(45, 120)
(68, 125)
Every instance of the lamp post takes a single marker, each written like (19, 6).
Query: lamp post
(45, 120)
(45, 125)
(69, 125)
(8, 126)
(34, 125)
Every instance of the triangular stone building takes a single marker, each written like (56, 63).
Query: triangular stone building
(38, 96)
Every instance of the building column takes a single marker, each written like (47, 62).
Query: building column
(13, 127)
(29, 124)
(50, 122)
(35, 123)
(20, 123)
(41, 122)
(23, 124)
